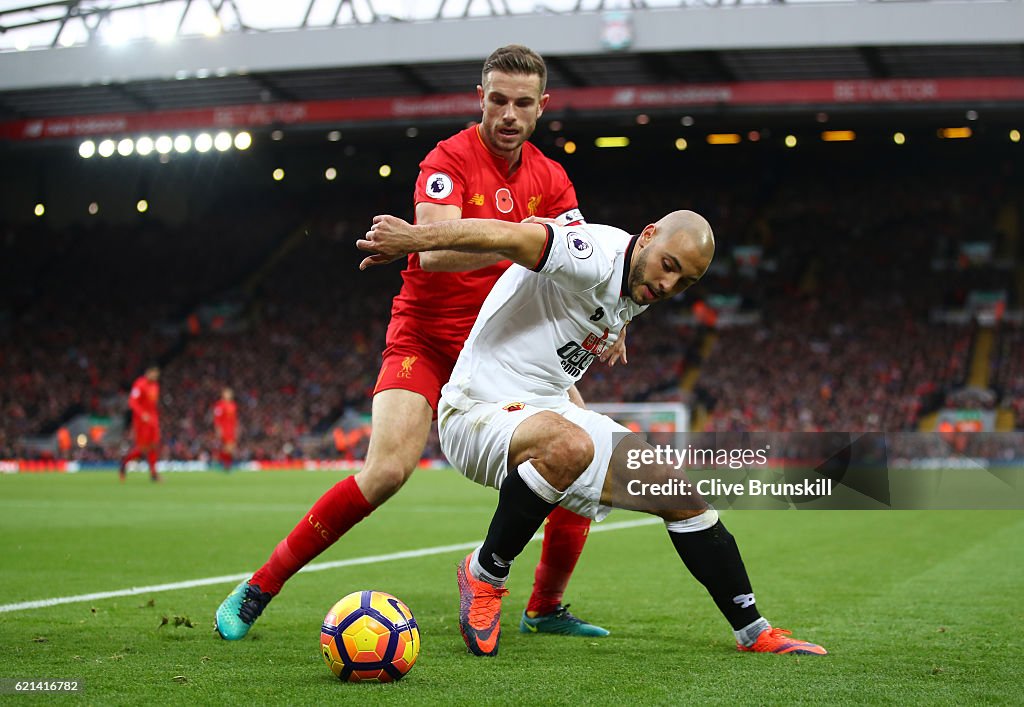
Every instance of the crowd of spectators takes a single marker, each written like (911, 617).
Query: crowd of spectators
(308, 351)
(1008, 367)
(846, 338)
(87, 307)
(659, 350)
(803, 369)
(843, 337)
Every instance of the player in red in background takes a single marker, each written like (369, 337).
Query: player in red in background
(143, 402)
(485, 171)
(225, 421)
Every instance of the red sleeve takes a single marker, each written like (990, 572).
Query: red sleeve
(135, 401)
(562, 205)
(441, 178)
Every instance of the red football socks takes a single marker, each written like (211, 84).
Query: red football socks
(564, 535)
(151, 458)
(330, 517)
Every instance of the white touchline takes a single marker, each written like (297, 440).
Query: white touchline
(318, 567)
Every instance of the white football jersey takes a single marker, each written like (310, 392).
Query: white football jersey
(540, 329)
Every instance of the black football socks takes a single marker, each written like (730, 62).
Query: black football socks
(711, 555)
(524, 501)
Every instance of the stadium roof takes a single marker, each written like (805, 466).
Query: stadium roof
(272, 52)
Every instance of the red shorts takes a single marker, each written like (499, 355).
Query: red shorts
(146, 434)
(420, 356)
(227, 436)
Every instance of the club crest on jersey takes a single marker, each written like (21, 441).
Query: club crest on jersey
(407, 364)
(579, 245)
(514, 407)
(439, 185)
(503, 200)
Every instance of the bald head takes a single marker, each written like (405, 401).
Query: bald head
(671, 255)
(694, 234)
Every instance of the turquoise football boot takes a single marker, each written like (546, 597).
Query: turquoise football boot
(561, 622)
(239, 611)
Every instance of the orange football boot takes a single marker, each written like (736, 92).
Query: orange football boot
(479, 611)
(774, 640)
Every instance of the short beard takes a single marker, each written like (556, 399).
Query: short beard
(635, 279)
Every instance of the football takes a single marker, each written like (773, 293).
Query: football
(370, 636)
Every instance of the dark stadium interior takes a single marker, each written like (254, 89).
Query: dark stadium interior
(232, 278)
(861, 284)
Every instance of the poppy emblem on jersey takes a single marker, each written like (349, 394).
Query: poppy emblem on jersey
(439, 185)
(503, 200)
(579, 245)
(514, 407)
(407, 363)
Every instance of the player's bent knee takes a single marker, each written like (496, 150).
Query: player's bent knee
(559, 449)
(565, 457)
(379, 482)
(579, 451)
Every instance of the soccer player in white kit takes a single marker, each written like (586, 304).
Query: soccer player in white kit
(505, 418)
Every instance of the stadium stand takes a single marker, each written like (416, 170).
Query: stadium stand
(842, 335)
(1009, 366)
(845, 340)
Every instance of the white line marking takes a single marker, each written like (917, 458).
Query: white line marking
(317, 567)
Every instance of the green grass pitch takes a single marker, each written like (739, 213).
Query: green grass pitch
(915, 607)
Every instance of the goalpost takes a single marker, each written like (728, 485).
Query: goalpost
(649, 418)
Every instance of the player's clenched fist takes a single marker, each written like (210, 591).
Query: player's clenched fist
(389, 238)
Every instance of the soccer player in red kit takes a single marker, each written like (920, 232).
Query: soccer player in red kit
(145, 421)
(225, 422)
(485, 171)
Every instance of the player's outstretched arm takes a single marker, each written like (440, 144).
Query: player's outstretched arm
(389, 238)
(449, 260)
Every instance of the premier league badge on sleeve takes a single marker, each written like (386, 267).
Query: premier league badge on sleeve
(439, 185)
(579, 245)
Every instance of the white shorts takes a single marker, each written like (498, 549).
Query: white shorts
(476, 442)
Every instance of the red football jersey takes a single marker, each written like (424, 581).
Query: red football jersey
(461, 171)
(143, 401)
(225, 416)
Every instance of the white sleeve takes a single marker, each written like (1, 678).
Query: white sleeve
(573, 260)
(572, 217)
